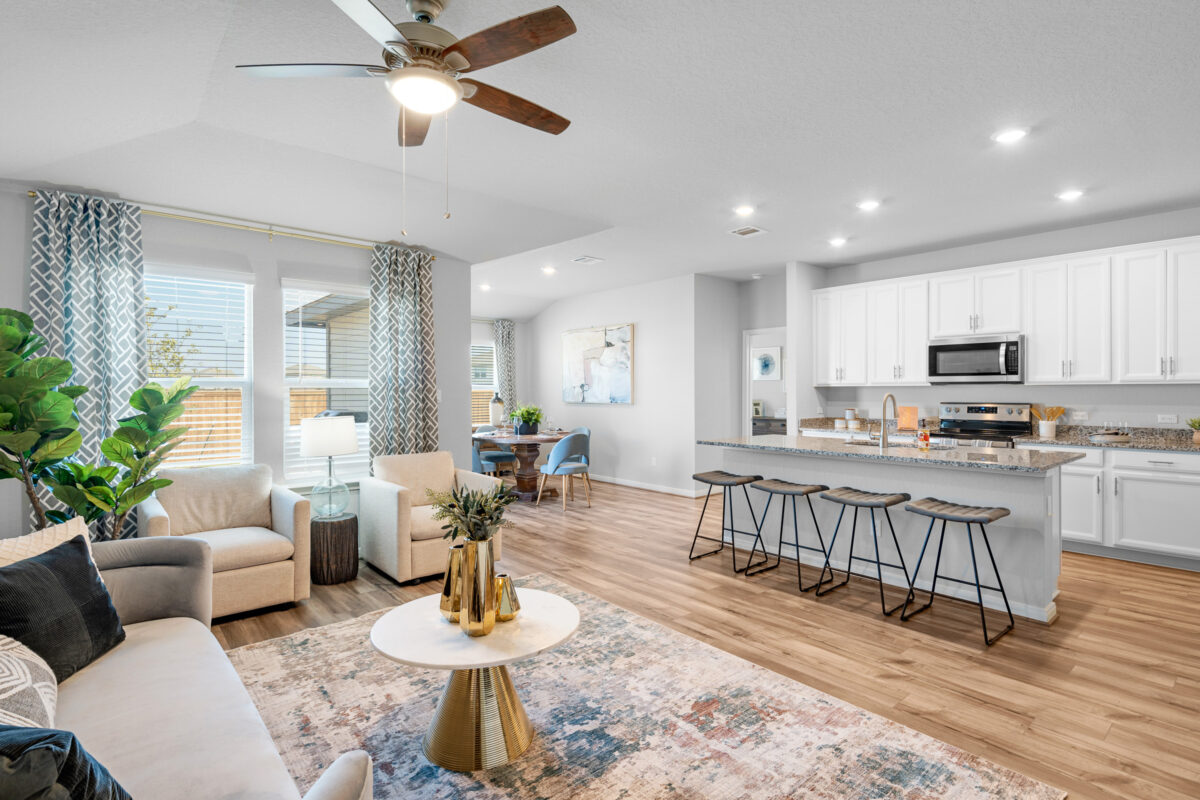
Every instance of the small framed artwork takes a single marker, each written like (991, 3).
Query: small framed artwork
(765, 363)
(758, 408)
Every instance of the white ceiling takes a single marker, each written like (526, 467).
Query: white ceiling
(681, 109)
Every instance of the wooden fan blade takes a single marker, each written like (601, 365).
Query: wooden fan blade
(372, 20)
(514, 38)
(311, 70)
(509, 106)
(411, 132)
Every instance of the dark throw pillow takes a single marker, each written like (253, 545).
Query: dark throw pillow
(57, 606)
(44, 764)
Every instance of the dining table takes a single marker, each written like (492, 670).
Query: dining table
(527, 448)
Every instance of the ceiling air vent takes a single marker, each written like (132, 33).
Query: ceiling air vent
(747, 231)
(586, 260)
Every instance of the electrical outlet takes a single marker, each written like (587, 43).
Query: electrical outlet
(1079, 416)
(1169, 419)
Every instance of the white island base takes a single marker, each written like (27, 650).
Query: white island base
(1027, 544)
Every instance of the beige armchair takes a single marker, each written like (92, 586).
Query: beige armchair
(396, 528)
(258, 532)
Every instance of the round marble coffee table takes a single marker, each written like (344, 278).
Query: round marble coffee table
(480, 722)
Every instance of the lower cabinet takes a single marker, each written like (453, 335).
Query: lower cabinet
(1083, 504)
(1156, 512)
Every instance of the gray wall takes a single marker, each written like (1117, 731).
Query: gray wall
(762, 303)
(718, 359)
(205, 247)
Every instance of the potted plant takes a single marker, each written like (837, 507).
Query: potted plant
(526, 419)
(476, 516)
(1194, 424)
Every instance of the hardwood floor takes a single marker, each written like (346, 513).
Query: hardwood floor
(1105, 703)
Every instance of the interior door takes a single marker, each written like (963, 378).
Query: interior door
(1139, 286)
(914, 331)
(1183, 313)
(826, 338)
(883, 326)
(1089, 321)
(1046, 324)
(998, 301)
(854, 336)
(951, 305)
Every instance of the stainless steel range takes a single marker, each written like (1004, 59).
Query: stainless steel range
(984, 424)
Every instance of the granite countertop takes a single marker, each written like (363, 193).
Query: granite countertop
(1004, 459)
(1170, 440)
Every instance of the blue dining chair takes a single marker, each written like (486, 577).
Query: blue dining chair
(489, 461)
(564, 460)
(586, 458)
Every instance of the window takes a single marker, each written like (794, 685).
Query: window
(326, 340)
(200, 328)
(483, 382)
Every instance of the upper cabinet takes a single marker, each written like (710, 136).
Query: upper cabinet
(977, 302)
(840, 337)
(1067, 322)
(1183, 313)
(897, 332)
(1157, 330)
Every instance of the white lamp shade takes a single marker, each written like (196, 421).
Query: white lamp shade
(328, 436)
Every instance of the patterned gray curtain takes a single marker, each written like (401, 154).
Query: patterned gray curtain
(87, 299)
(504, 332)
(402, 400)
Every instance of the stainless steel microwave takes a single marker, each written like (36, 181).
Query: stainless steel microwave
(977, 359)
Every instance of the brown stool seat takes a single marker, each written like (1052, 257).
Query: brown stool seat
(719, 477)
(953, 512)
(856, 497)
(776, 486)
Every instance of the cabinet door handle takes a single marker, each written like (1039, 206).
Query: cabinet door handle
(1097, 484)
(1070, 367)
(1163, 463)
(1172, 365)
(1062, 369)
(1162, 366)
(1116, 486)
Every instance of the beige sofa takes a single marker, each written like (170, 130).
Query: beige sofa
(165, 711)
(258, 532)
(397, 532)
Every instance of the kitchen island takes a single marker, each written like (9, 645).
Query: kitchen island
(1027, 544)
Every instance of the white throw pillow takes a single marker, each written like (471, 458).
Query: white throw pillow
(20, 548)
(28, 690)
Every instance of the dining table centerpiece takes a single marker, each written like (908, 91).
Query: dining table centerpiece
(475, 516)
(526, 420)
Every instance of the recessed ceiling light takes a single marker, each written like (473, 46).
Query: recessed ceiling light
(837, 241)
(756, 276)
(549, 270)
(1010, 135)
(744, 211)
(1070, 195)
(485, 287)
(868, 205)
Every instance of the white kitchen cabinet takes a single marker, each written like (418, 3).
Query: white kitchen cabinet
(1046, 323)
(897, 332)
(840, 337)
(1067, 315)
(1083, 504)
(1139, 286)
(1156, 512)
(981, 302)
(1183, 313)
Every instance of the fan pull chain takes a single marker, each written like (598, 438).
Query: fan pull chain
(446, 127)
(403, 171)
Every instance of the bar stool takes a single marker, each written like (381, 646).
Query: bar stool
(969, 515)
(857, 498)
(786, 490)
(727, 480)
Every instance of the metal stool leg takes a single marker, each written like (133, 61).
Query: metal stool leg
(692, 554)
(937, 563)
(758, 539)
(911, 596)
(979, 591)
(757, 536)
(820, 540)
(849, 559)
(879, 567)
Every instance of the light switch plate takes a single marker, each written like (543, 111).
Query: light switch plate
(1169, 419)
(1079, 416)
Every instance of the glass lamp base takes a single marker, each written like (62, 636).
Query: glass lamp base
(329, 498)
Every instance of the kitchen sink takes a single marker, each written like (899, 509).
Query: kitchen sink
(898, 446)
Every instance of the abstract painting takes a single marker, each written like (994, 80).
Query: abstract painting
(598, 365)
(764, 363)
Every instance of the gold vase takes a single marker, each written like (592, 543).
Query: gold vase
(451, 600)
(507, 604)
(477, 614)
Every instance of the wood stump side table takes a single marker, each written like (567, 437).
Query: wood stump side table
(334, 549)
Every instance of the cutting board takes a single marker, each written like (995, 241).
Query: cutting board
(906, 418)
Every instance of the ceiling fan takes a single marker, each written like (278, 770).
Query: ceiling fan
(423, 64)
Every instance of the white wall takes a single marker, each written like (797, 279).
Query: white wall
(651, 442)
(174, 242)
(801, 280)
(718, 360)
(762, 303)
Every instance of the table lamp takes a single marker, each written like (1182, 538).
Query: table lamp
(328, 437)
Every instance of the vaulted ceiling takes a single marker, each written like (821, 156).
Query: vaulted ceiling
(680, 109)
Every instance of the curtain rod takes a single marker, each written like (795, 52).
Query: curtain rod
(239, 226)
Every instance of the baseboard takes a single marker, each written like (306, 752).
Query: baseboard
(653, 487)
(1138, 556)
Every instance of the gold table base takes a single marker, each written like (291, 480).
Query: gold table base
(479, 723)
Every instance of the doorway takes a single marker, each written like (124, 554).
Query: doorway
(764, 394)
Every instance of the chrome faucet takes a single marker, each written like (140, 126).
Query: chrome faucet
(883, 420)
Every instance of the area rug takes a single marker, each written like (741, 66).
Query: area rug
(626, 709)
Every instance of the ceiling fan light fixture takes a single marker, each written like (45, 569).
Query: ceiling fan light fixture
(423, 90)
